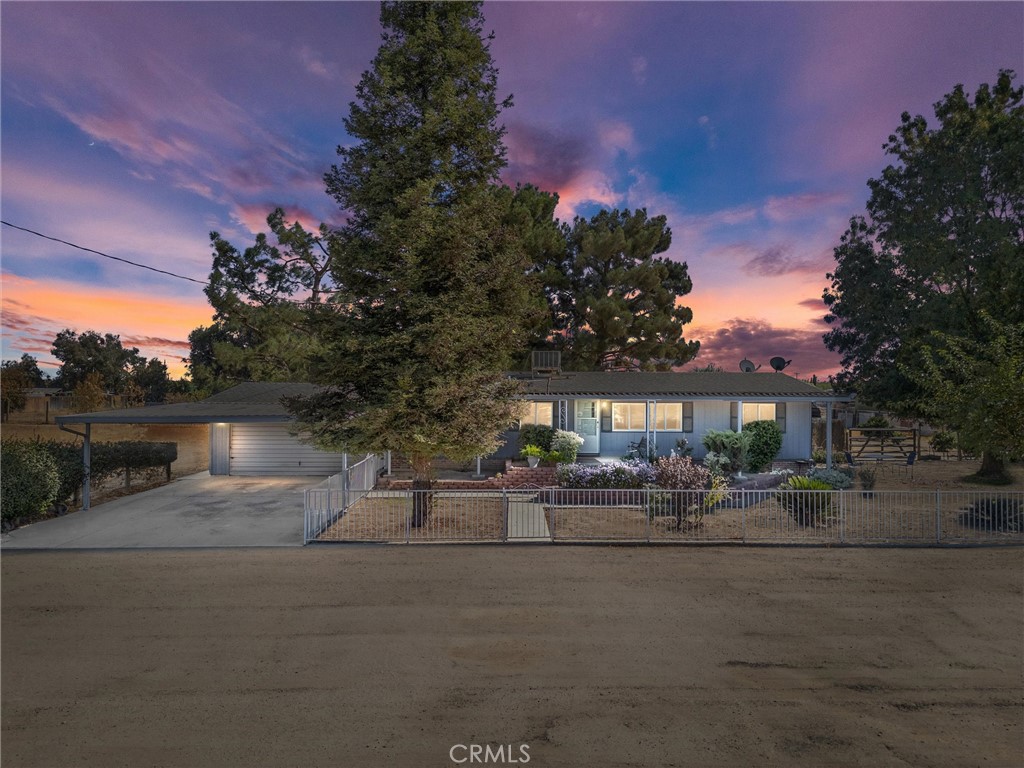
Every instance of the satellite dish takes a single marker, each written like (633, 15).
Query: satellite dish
(779, 363)
(747, 367)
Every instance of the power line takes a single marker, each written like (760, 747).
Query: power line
(104, 255)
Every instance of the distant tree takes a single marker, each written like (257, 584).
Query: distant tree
(433, 299)
(89, 352)
(15, 383)
(614, 302)
(151, 380)
(89, 394)
(30, 365)
(943, 244)
(709, 368)
(977, 389)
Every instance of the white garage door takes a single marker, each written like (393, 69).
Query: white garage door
(268, 449)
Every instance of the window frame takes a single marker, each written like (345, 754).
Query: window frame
(535, 406)
(631, 405)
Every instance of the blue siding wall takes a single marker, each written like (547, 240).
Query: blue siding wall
(707, 414)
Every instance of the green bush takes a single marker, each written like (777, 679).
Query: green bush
(836, 479)
(1003, 514)
(805, 500)
(765, 444)
(565, 446)
(70, 470)
(727, 450)
(535, 434)
(28, 482)
(943, 442)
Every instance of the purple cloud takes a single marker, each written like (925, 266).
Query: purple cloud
(758, 340)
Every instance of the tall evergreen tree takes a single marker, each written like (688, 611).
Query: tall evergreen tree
(614, 302)
(432, 298)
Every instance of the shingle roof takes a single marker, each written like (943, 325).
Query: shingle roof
(704, 385)
(249, 402)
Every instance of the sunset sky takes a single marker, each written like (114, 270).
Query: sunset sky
(137, 128)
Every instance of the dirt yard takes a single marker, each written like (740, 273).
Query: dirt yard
(390, 656)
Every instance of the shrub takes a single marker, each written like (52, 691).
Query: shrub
(867, 477)
(566, 445)
(688, 507)
(765, 444)
(620, 475)
(877, 422)
(535, 434)
(681, 473)
(943, 442)
(833, 478)
(805, 500)
(995, 513)
(70, 471)
(683, 447)
(28, 483)
(818, 456)
(729, 450)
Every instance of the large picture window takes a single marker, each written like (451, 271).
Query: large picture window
(629, 417)
(539, 413)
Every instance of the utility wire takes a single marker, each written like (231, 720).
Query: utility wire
(104, 255)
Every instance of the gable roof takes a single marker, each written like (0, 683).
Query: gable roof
(249, 402)
(717, 385)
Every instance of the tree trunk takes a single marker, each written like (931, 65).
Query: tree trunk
(992, 468)
(421, 483)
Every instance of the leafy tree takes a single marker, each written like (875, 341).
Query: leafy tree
(89, 394)
(614, 303)
(89, 352)
(943, 243)
(15, 383)
(977, 389)
(432, 296)
(268, 300)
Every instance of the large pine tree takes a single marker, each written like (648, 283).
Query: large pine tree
(432, 298)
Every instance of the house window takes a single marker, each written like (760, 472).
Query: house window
(673, 417)
(539, 413)
(629, 417)
(758, 412)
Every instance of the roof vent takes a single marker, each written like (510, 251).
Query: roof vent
(546, 361)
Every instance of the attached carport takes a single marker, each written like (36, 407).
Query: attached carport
(249, 432)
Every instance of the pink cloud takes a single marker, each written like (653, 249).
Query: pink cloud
(728, 343)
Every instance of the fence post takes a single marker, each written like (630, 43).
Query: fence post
(647, 514)
(743, 517)
(842, 517)
(938, 516)
(504, 515)
(305, 516)
(344, 482)
(409, 514)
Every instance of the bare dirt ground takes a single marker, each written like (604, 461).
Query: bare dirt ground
(590, 656)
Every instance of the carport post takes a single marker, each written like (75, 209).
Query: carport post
(387, 455)
(86, 464)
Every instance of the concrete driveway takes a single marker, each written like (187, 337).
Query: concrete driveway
(193, 511)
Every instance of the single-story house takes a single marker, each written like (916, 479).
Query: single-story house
(250, 426)
(614, 410)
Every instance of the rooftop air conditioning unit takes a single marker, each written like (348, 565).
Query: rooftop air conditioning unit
(546, 361)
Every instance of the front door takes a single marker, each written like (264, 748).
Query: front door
(588, 426)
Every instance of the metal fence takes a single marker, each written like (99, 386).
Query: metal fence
(652, 515)
(328, 501)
